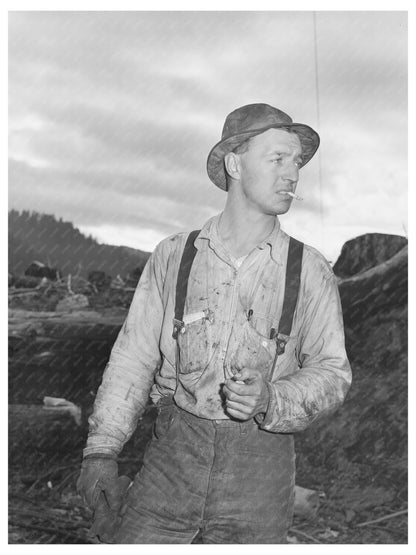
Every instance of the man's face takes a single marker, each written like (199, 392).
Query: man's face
(268, 168)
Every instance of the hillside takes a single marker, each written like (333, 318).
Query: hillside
(359, 456)
(60, 245)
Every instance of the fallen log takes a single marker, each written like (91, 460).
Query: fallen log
(62, 355)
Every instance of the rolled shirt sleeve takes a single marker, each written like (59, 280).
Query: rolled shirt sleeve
(134, 360)
(323, 377)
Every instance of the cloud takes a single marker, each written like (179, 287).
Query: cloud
(112, 114)
(72, 197)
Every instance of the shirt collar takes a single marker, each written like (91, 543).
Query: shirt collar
(274, 241)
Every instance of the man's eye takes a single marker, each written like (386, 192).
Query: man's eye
(277, 160)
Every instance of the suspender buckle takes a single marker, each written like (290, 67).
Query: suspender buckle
(209, 315)
(178, 327)
(281, 340)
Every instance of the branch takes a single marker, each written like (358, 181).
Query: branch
(296, 531)
(48, 517)
(387, 517)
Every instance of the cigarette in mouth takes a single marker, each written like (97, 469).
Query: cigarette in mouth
(293, 195)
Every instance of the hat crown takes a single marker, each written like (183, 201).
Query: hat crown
(251, 117)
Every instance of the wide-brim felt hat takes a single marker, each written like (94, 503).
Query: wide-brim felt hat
(248, 121)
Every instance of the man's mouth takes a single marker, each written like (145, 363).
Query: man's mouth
(290, 194)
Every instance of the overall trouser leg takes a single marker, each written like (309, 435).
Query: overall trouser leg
(166, 501)
(251, 493)
(229, 480)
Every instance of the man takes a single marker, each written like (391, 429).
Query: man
(230, 392)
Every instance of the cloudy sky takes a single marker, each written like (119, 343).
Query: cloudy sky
(112, 115)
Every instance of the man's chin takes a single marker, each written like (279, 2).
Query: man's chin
(280, 210)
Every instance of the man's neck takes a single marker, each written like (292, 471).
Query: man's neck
(241, 230)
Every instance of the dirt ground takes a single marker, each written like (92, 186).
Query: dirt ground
(45, 508)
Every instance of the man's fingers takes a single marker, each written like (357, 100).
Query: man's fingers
(249, 374)
(90, 494)
(115, 492)
(247, 398)
(238, 414)
(236, 392)
(238, 406)
(241, 390)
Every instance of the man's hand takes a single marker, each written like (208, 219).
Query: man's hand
(104, 493)
(108, 511)
(245, 400)
(98, 473)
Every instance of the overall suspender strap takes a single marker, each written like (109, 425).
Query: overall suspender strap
(187, 259)
(292, 284)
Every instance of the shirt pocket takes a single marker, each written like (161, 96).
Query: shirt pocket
(195, 344)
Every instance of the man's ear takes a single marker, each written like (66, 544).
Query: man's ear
(232, 165)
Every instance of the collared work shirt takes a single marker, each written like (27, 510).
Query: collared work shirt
(229, 311)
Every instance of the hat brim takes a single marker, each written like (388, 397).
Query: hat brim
(309, 140)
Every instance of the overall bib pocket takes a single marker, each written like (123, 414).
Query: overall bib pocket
(195, 343)
(255, 349)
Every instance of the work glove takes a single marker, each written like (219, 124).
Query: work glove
(107, 513)
(98, 472)
(103, 492)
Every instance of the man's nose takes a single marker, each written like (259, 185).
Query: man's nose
(291, 172)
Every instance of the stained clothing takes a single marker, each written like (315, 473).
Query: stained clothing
(230, 310)
(228, 480)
